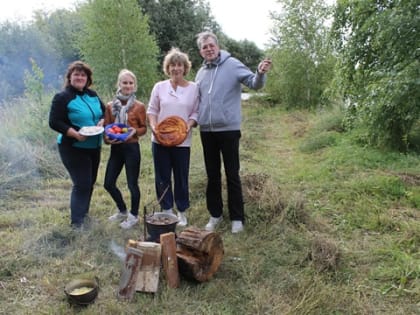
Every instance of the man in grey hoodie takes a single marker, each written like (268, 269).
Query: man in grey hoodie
(220, 82)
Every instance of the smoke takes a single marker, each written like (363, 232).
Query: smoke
(18, 167)
(118, 250)
(26, 152)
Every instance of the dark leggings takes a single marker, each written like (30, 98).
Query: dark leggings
(82, 165)
(128, 155)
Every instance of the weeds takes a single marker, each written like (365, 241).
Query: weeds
(324, 254)
(330, 230)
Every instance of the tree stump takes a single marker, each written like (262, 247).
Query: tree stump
(199, 253)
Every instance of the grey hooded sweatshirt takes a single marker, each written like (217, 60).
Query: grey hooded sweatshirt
(220, 92)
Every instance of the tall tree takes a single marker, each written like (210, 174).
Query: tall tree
(303, 63)
(378, 43)
(115, 36)
(176, 22)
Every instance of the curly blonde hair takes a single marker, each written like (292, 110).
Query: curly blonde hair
(175, 56)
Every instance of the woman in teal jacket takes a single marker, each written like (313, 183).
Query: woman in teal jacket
(75, 107)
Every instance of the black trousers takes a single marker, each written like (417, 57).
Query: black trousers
(217, 146)
(82, 165)
(128, 155)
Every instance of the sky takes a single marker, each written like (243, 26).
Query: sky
(239, 19)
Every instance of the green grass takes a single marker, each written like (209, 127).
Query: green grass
(332, 228)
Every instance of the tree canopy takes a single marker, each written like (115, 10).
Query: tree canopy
(303, 62)
(378, 44)
(244, 50)
(373, 66)
(116, 35)
(176, 22)
(109, 35)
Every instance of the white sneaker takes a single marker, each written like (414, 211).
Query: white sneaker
(237, 226)
(119, 216)
(213, 223)
(182, 219)
(129, 222)
(168, 211)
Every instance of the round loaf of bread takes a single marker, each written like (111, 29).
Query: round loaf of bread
(171, 131)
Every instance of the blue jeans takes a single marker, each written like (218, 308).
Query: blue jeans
(128, 155)
(82, 165)
(223, 144)
(168, 160)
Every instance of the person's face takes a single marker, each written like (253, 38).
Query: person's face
(127, 85)
(176, 70)
(209, 49)
(78, 79)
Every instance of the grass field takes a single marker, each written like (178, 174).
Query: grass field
(332, 228)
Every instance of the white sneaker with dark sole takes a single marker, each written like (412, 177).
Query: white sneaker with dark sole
(237, 226)
(213, 223)
(168, 211)
(129, 222)
(182, 219)
(119, 216)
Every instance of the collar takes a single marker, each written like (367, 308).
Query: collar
(212, 64)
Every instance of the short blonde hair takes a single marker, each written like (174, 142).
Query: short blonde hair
(124, 72)
(175, 56)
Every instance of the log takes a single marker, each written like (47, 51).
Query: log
(129, 273)
(169, 259)
(148, 276)
(199, 253)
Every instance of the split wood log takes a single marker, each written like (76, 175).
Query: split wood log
(148, 276)
(169, 259)
(199, 253)
(129, 273)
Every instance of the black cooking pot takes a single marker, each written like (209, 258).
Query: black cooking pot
(82, 291)
(160, 223)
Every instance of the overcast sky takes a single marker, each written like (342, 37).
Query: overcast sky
(239, 19)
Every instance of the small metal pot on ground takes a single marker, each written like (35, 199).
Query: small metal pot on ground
(82, 291)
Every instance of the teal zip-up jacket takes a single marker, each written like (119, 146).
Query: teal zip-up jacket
(220, 92)
(77, 109)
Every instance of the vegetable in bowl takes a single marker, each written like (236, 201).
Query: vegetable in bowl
(117, 131)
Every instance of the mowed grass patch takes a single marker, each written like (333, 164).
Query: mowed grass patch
(331, 230)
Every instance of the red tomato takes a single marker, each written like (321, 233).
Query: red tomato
(116, 129)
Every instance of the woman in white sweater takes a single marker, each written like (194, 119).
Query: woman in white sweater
(173, 97)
